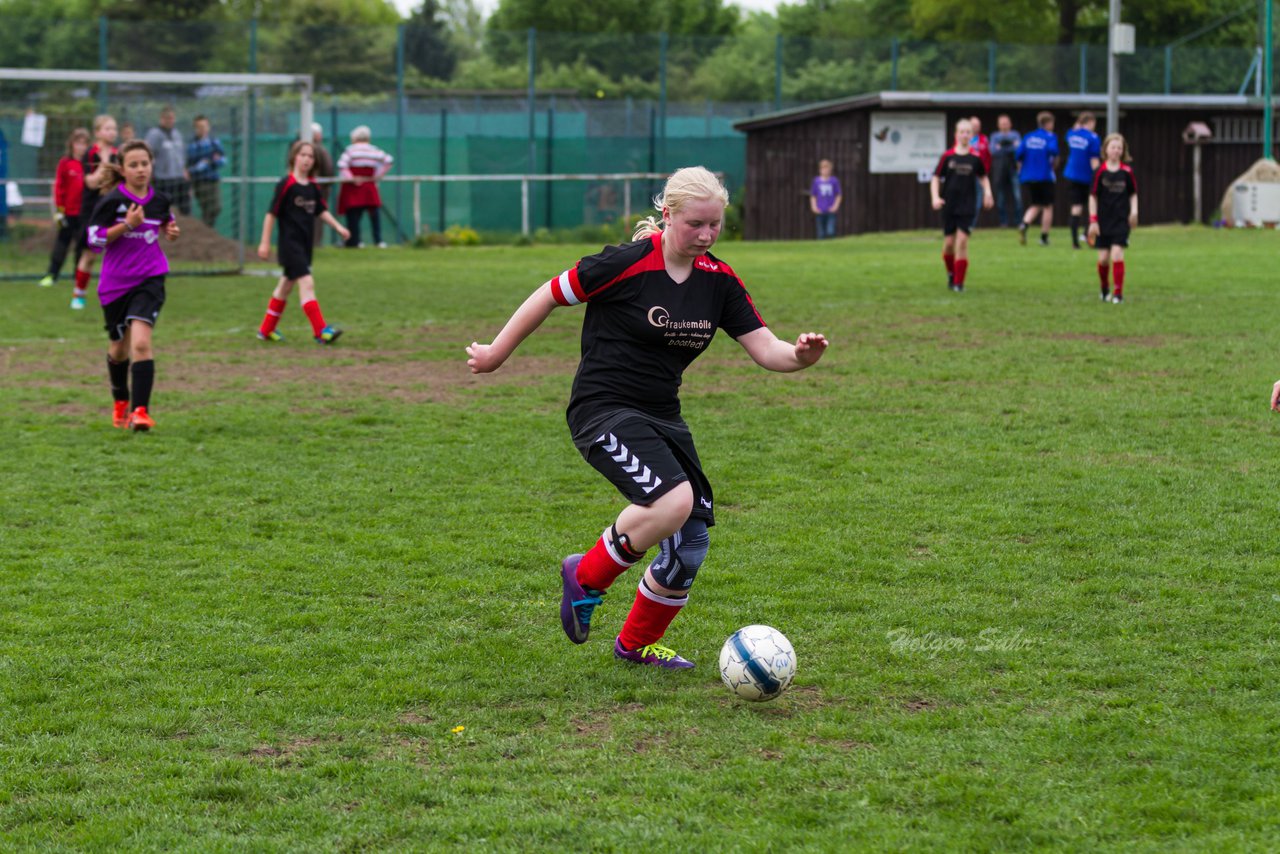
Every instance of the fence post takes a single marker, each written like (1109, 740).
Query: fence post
(1168, 69)
(533, 119)
(444, 146)
(662, 91)
(551, 165)
(251, 117)
(893, 64)
(777, 72)
(1084, 69)
(102, 62)
(991, 67)
(399, 125)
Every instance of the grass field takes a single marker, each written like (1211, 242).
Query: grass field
(1025, 545)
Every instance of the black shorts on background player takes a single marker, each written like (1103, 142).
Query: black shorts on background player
(141, 302)
(296, 206)
(1079, 193)
(953, 222)
(1040, 193)
(1106, 240)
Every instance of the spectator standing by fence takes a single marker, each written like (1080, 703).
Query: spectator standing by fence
(324, 174)
(360, 167)
(204, 163)
(824, 199)
(1004, 171)
(68, 194)
(165, 142)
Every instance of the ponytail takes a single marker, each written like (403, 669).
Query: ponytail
(688, 184)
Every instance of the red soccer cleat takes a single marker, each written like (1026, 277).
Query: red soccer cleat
(140, 421)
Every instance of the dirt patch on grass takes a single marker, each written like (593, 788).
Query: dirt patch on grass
(918, 704)
(1152, 341)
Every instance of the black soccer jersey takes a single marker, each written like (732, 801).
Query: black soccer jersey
(642, 329)
(959, 174)
(1114, 189)
(92, 158)
(296, 206)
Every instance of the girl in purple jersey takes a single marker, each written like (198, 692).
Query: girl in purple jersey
(125, 227)
(652, 307)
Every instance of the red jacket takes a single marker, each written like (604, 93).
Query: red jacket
(982, 147)
(68, 186)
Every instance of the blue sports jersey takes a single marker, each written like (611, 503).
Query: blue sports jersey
(1036, 153)
(1082, 146)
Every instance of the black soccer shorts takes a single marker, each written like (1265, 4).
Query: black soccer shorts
(645, 458)
(141, 302)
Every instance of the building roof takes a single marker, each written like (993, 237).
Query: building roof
(979, 100)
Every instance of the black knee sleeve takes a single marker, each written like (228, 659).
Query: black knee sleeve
(682, 554)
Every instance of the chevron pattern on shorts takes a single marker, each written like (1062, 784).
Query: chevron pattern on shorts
(631, 464)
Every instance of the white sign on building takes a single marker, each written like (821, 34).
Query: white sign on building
(907, 142)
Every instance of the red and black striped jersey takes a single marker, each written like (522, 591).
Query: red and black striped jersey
(1113, 190)
(642, 328)
(959, 174)
(296, 205)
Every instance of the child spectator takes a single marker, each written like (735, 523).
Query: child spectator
(1113, 213)
(125, 227)
(824, 199)
(298, 202)
(68, 194)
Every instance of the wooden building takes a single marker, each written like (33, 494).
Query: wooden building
(783, 150)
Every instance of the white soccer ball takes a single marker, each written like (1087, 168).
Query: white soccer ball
(757, 663)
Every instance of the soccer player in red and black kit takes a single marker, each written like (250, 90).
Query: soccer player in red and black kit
(652, 307)
(98, 163)
(954, 191)
(1113, 212)
(297, 203)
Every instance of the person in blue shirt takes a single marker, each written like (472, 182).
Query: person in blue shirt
(204, 160)
(1084, 154)
(1037, 160)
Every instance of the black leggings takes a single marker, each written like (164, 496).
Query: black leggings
(62, 243)
(353, 225)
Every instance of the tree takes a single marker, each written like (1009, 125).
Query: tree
(427, 43)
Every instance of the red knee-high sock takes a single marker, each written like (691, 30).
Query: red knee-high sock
(649, 618)
(1119, 265)
(271, 319)
(605, 562)
(1103, 270)
(962, 267)
(950, 260)
(312, 309)
(82, 282)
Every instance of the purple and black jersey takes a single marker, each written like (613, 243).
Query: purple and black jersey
(136, 255)
(642, 328)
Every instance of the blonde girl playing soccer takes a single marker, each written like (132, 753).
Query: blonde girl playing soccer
(652, 307)
(1113, 213)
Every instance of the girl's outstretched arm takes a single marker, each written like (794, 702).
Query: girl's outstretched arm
(328, 219)
(772, 353)
(264, 245)
(483, 358)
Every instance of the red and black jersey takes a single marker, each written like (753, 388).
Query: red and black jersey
(642, 329)
(92, 158)
(959, 174)
(1113, 191)
(296, 205)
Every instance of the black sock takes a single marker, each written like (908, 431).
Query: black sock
(119, 373)
(1075, 230)
(144, 374)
